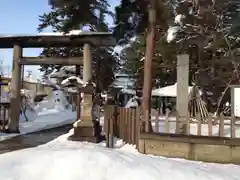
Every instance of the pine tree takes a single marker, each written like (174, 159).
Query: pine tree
(206, 30)
(70, 15)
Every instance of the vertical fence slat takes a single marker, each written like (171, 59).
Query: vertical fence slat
(128, 124)
(133, 126)
(209, 124)
(137, 127)
(233, 134)
(188, 124)
(118, 122)
(177, 131)
(107, 132)
(166, 122)
(121, 119)
(157, 122)
(111, 127)
(115, 117)
(199, 124)
(105, 115)
(221, 125)
(125, 124)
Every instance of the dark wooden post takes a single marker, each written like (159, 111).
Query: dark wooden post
(78, 104)
(13, 122)
(147, 86)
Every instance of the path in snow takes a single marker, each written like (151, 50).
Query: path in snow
(33, 139)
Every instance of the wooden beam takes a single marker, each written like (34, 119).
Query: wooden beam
(46, 40)
(51, 60)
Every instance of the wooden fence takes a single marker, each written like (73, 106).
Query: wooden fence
(126, 124)
(222, 124)
(122, 123)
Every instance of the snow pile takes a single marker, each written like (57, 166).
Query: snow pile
(62, 159)
(132, 102)
(53, 111)
(56, 101)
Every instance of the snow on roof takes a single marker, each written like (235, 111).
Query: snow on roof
(168, 91)
(71, 33)
(68, 68)
(66, 81)
(128, 91)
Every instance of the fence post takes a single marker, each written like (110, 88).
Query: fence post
(221, 126)
(188, 124)
(137, 127)
(129, 125)
(199, 124)
(157, 122)
(166, 122)
(111, 131)
(133, 126)
(177, 131)
(107, 131)
(209, 124)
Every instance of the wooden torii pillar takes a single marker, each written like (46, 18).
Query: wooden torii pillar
(13, 120)
(38, 41)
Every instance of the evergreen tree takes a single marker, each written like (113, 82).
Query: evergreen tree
(206, 30)
(66, 15)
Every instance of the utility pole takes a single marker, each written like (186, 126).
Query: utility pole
(147, 86)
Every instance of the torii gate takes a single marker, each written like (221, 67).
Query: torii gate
(87, 39)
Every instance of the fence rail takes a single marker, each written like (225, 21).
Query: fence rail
(221, 126)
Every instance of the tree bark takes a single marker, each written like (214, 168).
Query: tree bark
(147, 86)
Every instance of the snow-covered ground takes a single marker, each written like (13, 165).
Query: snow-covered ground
(62, 159)
(53, 111)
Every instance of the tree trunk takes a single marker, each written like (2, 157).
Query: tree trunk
(147, 86)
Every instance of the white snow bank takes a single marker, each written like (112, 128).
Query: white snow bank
(62, 159)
